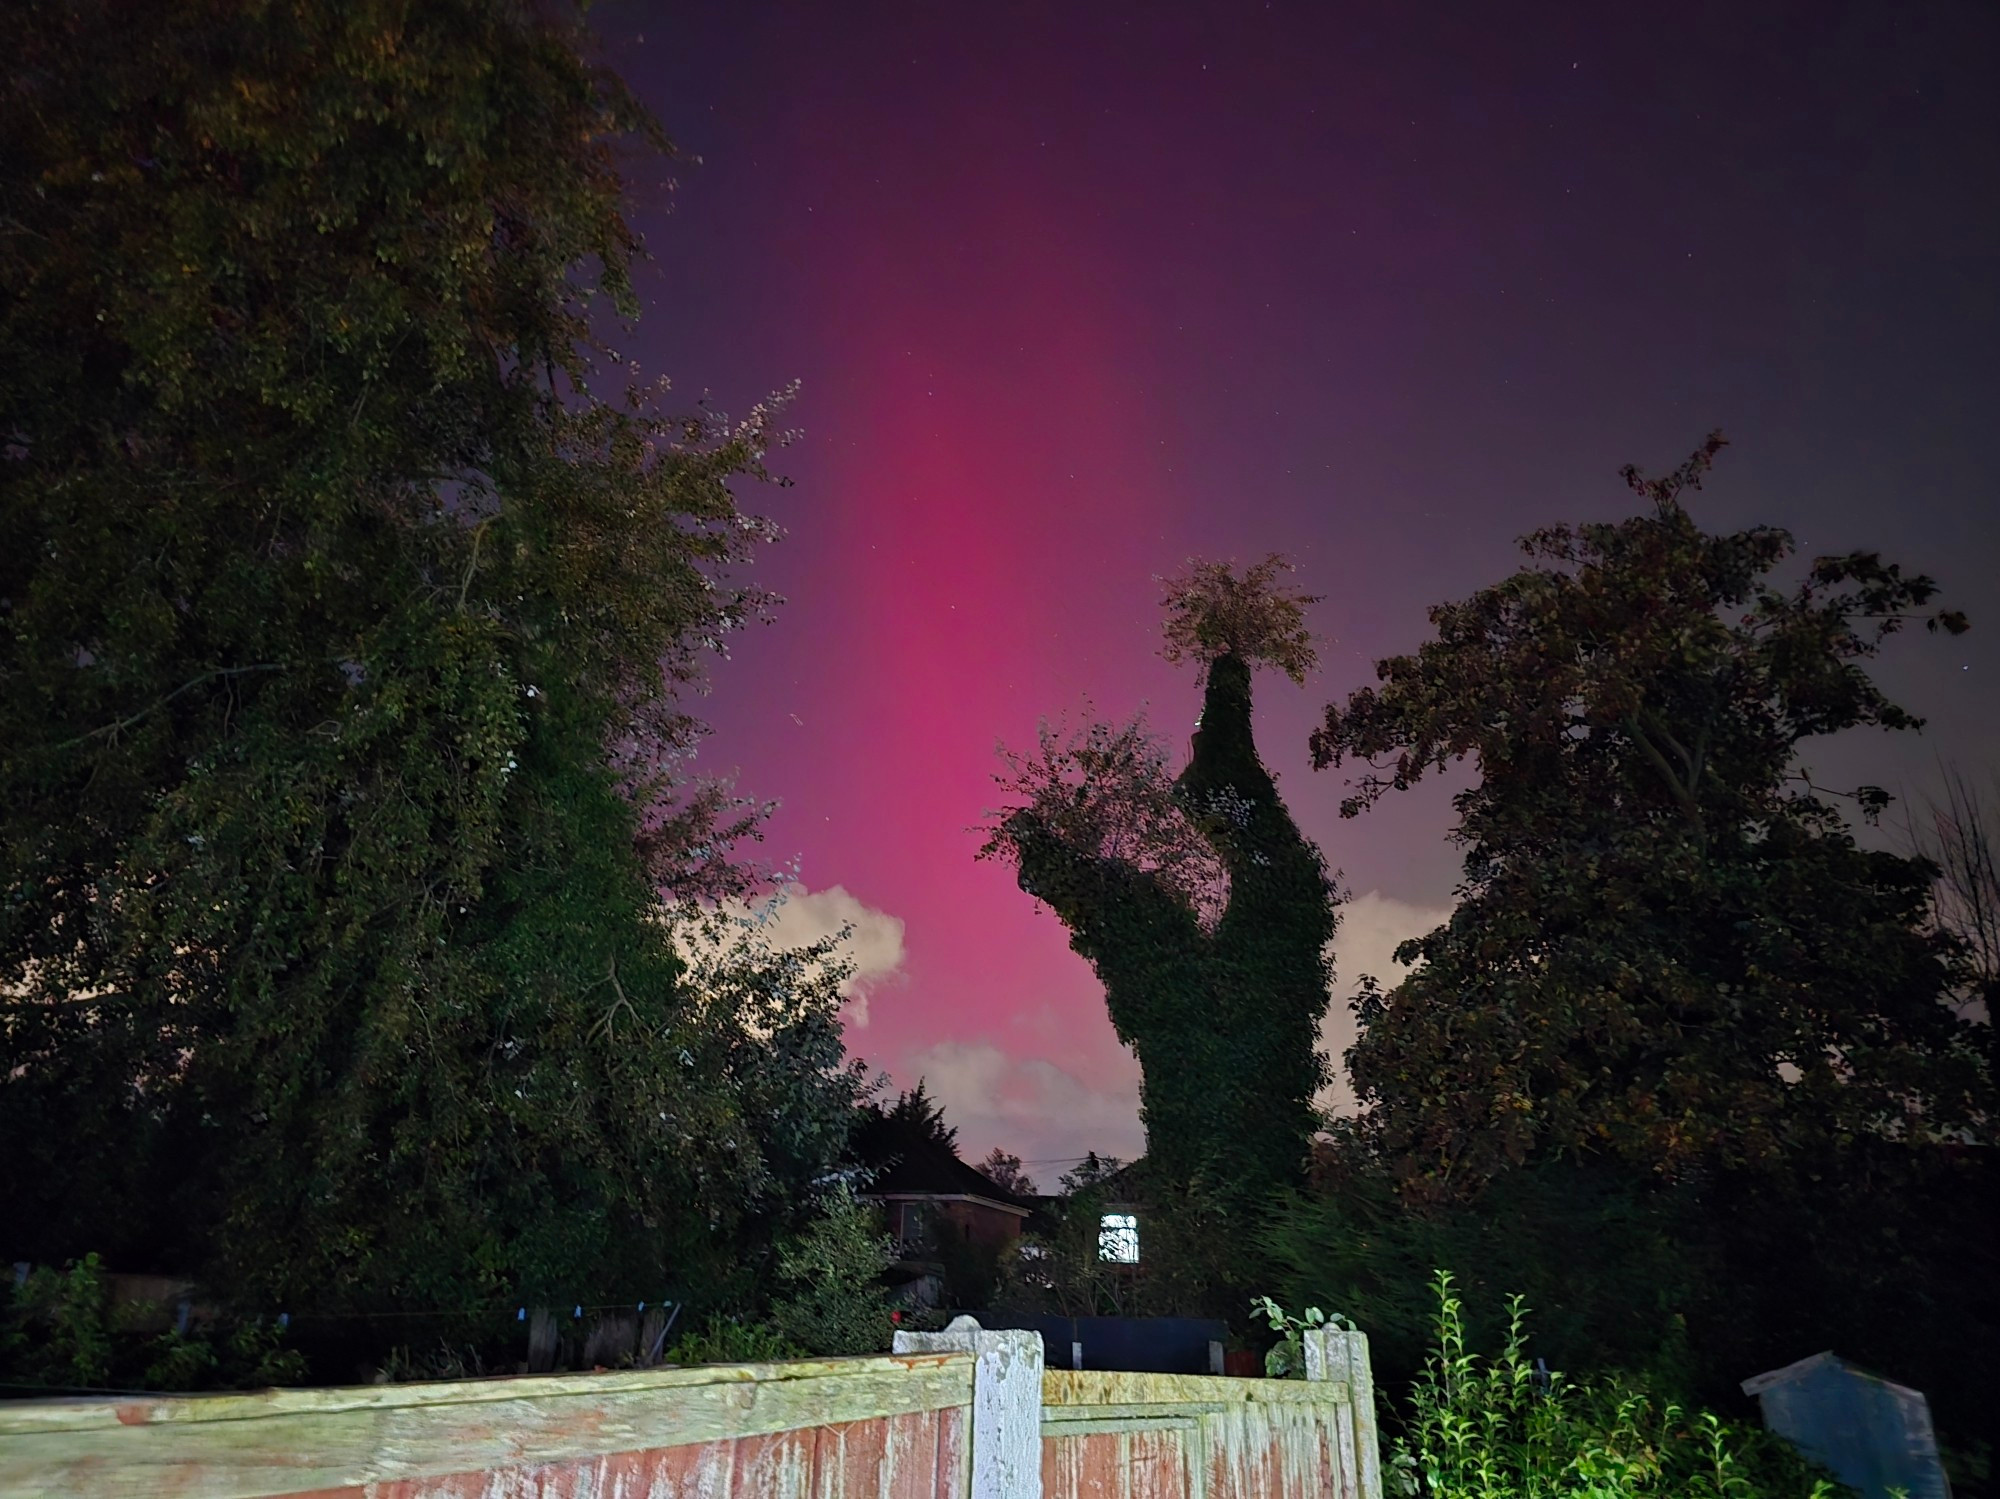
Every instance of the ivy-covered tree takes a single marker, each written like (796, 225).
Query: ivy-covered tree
(343, 626)
(1669, 949)
(1203, 909)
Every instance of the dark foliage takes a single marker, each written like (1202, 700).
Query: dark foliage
(1668, 946)
(1884, 1255)
(342, 627)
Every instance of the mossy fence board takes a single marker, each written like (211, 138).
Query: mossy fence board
(965, 1414)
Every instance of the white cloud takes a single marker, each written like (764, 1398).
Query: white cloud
(802, 917)
(1372, 926)
(874, 947)
(1029, 1106)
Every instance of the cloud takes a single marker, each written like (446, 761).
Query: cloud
(1041, 1112)
(874, 947)
(1372, 926)
(802, 917)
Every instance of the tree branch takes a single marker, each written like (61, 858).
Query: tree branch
(114, 729)
(1683, 795)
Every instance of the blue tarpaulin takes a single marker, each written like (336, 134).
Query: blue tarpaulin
(1143, 1345)
(1872, 1434)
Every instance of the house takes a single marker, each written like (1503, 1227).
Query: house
(951, 1223)
(931, 1199)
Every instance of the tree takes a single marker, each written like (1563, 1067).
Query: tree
(917, 1114)
(1004, 1170)
(1964, 844)
(1061, 1269)
(344, 631)
(1668, 947)
(1204, 911)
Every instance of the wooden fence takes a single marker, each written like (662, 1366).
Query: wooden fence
(962, 1414)
(1149, 1436)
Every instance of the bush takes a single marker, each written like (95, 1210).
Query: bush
(1611, 1264)
(63, 1332)
(731, 1340)
(834, 1301)
(1689, 1286)
(1507, 1429)
(1197, 1257)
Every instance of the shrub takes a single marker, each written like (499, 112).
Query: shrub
(1508, 1429)
(1286, 1359)
(834, 1301)
(731, 1340)
(63, 1331)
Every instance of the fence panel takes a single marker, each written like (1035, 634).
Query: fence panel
(962, 1414)
(1169, 1436)
(889, 1427)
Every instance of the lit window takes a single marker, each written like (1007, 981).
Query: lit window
(1118, 1238)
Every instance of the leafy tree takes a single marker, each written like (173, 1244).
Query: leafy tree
(65, 1331)
(1193, 1260)
(1061, 1269)
(1668, 948)
(1004, 1170)
(1614, 1266)
(917, 1115)
(1203, 910)
(344, 629)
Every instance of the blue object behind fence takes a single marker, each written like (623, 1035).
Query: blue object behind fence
(1138, 1345)
(1873, 1434)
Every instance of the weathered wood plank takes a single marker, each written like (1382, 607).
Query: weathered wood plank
(1085, 1467)
(776, 1465)
(289, 1442)
(1064, 1387)
(1060, 1415)
(849, 1461)
(1156, 1464)
(701, 1472)
(913, 1457)
(954, 1453)
(28, 1417)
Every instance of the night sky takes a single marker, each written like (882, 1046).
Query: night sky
(1077, 291)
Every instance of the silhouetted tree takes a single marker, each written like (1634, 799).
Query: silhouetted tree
(343, 623)
(1964, 844)
(1004, 1170)
(1668, 948)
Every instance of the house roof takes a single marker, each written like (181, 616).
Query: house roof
(912, 1166)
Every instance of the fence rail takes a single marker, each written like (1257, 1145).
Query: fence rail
(963, 1414)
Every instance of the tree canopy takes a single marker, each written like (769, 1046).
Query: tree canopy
(1212, 613)
(1669, 948)
(345, 623)
(914, 1117)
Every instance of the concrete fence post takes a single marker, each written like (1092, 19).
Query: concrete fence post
(1336, 1354)
(1006, 1404)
